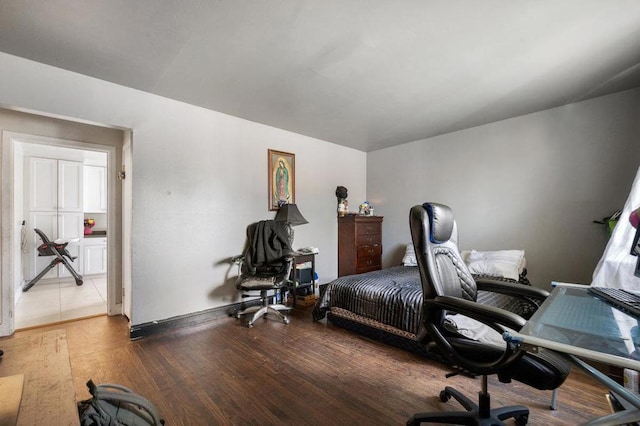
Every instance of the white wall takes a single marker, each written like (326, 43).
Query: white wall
(534, 182)
(199, 178)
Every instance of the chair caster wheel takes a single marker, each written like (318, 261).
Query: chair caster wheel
(238, 315)
(522, 420)
(249, 325)
(445, 396)
(79, 282)
(285, 320)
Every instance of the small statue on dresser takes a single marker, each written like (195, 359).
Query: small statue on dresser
(343, 204)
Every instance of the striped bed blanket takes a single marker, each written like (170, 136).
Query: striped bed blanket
(391, 300)
(390, 296)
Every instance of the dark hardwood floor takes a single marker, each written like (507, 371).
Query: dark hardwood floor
(302, 373)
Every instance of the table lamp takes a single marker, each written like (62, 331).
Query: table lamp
(289, 213)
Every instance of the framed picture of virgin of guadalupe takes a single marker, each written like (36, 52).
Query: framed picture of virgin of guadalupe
(282, 178)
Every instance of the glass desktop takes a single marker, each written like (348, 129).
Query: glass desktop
(604, 334)
(574, 321)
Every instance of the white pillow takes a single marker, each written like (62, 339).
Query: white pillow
(409, 258)
(473, 329)
(501, 263)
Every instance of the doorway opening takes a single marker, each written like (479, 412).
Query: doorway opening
(56, 297)
(64, 192)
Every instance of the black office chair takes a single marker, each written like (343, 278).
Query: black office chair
(448, 289)
(265, 266)
(58, 249)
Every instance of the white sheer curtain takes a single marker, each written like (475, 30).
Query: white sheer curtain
(616, 266)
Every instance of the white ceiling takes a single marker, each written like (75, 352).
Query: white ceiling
(367, 74)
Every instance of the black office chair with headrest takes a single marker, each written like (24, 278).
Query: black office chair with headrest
(449, 292)
(265, 266)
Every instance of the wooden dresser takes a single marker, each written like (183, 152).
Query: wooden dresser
(359, 244)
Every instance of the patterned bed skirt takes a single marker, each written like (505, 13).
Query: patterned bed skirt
(378, 331)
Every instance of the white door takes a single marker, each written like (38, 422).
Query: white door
(55, 204)
(43, 184)
(70, 179)
(47, 222)
(55, 185)
(95, 256)
(74, 250)
(70, 208)
(71, 228)
(95, 189)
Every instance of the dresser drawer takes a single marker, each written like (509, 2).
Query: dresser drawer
(368, 239)
(367, 228)
(369, 256)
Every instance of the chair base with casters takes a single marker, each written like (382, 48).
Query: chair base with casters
(263, 310)
(263, 283)
(57, 248)
(479, 414)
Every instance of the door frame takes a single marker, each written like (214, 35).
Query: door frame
(8, 225)
(127, 207)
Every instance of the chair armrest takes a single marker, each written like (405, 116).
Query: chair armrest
(486, 314)
(511, 289)
(498, 319)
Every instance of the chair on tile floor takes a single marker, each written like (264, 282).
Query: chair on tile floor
(57, 248)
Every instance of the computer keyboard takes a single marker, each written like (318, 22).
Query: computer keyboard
(621, 299)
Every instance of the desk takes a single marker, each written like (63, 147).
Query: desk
(302, 285)
(607, 335)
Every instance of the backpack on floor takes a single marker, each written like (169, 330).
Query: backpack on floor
(116, 405)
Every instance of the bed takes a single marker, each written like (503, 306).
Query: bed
(386, 305)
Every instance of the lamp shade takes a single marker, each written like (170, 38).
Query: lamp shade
(289, 213)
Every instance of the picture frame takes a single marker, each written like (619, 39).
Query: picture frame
(281, 173)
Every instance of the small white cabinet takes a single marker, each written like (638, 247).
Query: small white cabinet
(95, 189)
(55, 185)
(95, 255)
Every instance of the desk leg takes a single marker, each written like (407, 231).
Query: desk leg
(621, 417)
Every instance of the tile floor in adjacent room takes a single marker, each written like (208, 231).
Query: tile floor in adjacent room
(54, 301)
